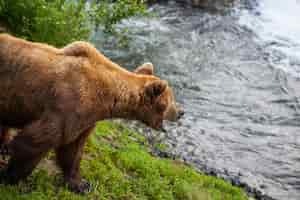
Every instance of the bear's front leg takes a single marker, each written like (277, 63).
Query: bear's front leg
(68, 158)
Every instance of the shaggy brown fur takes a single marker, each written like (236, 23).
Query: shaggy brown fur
(55, 96)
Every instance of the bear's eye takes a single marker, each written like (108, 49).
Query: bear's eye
(161, 106)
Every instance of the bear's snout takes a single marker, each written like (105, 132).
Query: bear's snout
(180, 113)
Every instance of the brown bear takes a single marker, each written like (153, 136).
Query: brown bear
(55, 96)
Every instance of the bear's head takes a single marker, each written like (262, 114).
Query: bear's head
(159, 101)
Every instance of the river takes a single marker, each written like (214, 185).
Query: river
(236, 71)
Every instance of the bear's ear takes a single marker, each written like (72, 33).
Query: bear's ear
(155, 88)
(146, 68)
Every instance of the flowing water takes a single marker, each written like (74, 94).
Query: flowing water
(236, 71)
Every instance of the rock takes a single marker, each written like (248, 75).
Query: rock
(203, 3)
(200, 3)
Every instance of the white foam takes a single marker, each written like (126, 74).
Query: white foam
(279, 22)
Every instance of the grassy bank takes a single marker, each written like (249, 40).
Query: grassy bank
(118, 164)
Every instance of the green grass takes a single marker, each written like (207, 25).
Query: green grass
(118, 164)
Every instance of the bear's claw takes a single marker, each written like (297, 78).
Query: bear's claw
(81, 188)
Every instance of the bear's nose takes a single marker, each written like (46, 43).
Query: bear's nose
(180, 113)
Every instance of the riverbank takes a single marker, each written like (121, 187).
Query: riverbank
(120, 164)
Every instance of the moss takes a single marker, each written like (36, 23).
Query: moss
(118, 164)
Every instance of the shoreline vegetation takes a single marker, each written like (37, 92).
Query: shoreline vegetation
(117, 161)
(60, 22)
(119, 164)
